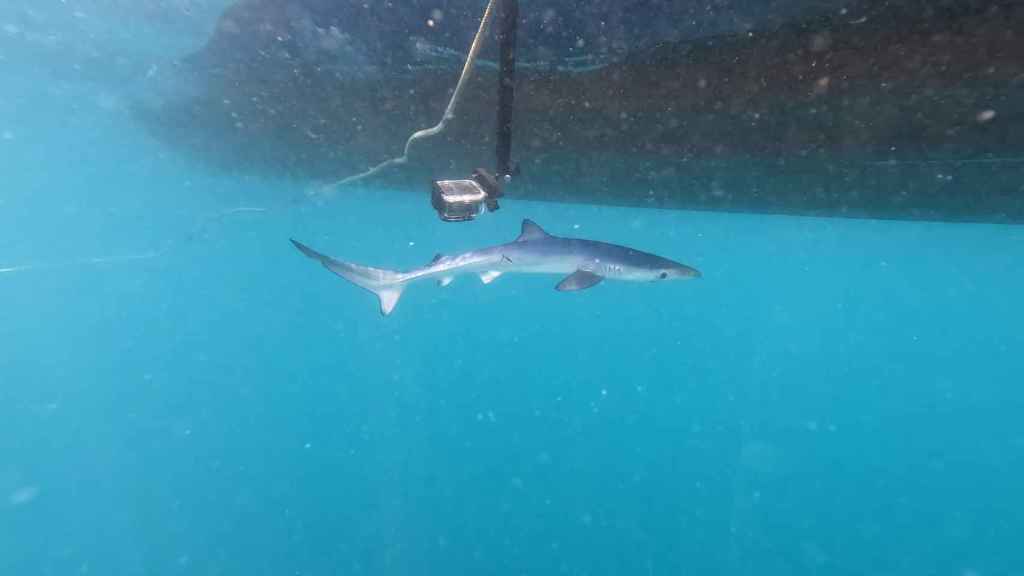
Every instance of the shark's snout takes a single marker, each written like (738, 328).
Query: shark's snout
(684, 271)
(665, 269)
(691, 272)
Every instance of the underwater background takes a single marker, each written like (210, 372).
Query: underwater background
(182, 393)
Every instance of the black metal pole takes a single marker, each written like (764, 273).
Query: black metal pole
(508, 18)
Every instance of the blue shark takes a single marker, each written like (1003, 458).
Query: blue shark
(583, 263)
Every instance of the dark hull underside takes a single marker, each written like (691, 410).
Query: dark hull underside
(909, 115)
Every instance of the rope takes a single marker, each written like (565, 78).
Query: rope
(449, 112)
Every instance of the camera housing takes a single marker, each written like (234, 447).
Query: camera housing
(464, 200)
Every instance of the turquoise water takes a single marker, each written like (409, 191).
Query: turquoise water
(182, 393)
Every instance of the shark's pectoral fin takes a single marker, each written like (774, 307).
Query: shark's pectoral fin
(579, 280)
(489, 276)
(444, 281)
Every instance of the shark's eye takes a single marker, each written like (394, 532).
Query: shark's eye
(663, 275)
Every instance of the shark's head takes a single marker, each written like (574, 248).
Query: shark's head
(674, 270)
(643, 267)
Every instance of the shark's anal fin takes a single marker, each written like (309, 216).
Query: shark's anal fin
(489, 276)
(445, 280)
(579, 280)
(531, 231)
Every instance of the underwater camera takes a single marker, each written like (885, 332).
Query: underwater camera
(462, 200)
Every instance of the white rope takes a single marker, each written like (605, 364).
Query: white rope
(449, 112)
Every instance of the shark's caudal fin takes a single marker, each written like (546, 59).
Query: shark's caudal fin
(386, 284)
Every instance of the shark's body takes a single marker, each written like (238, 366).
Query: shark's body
(584, 262)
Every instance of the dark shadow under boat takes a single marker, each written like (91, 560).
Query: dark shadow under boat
(909, 110)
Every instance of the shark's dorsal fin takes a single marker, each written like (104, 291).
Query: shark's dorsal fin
(437, 257)
(531, 231)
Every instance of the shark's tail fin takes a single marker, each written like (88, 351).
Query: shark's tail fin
(386, 284)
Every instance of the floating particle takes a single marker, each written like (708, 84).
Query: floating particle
(821, 85)
(23, 495)
(821, 42)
